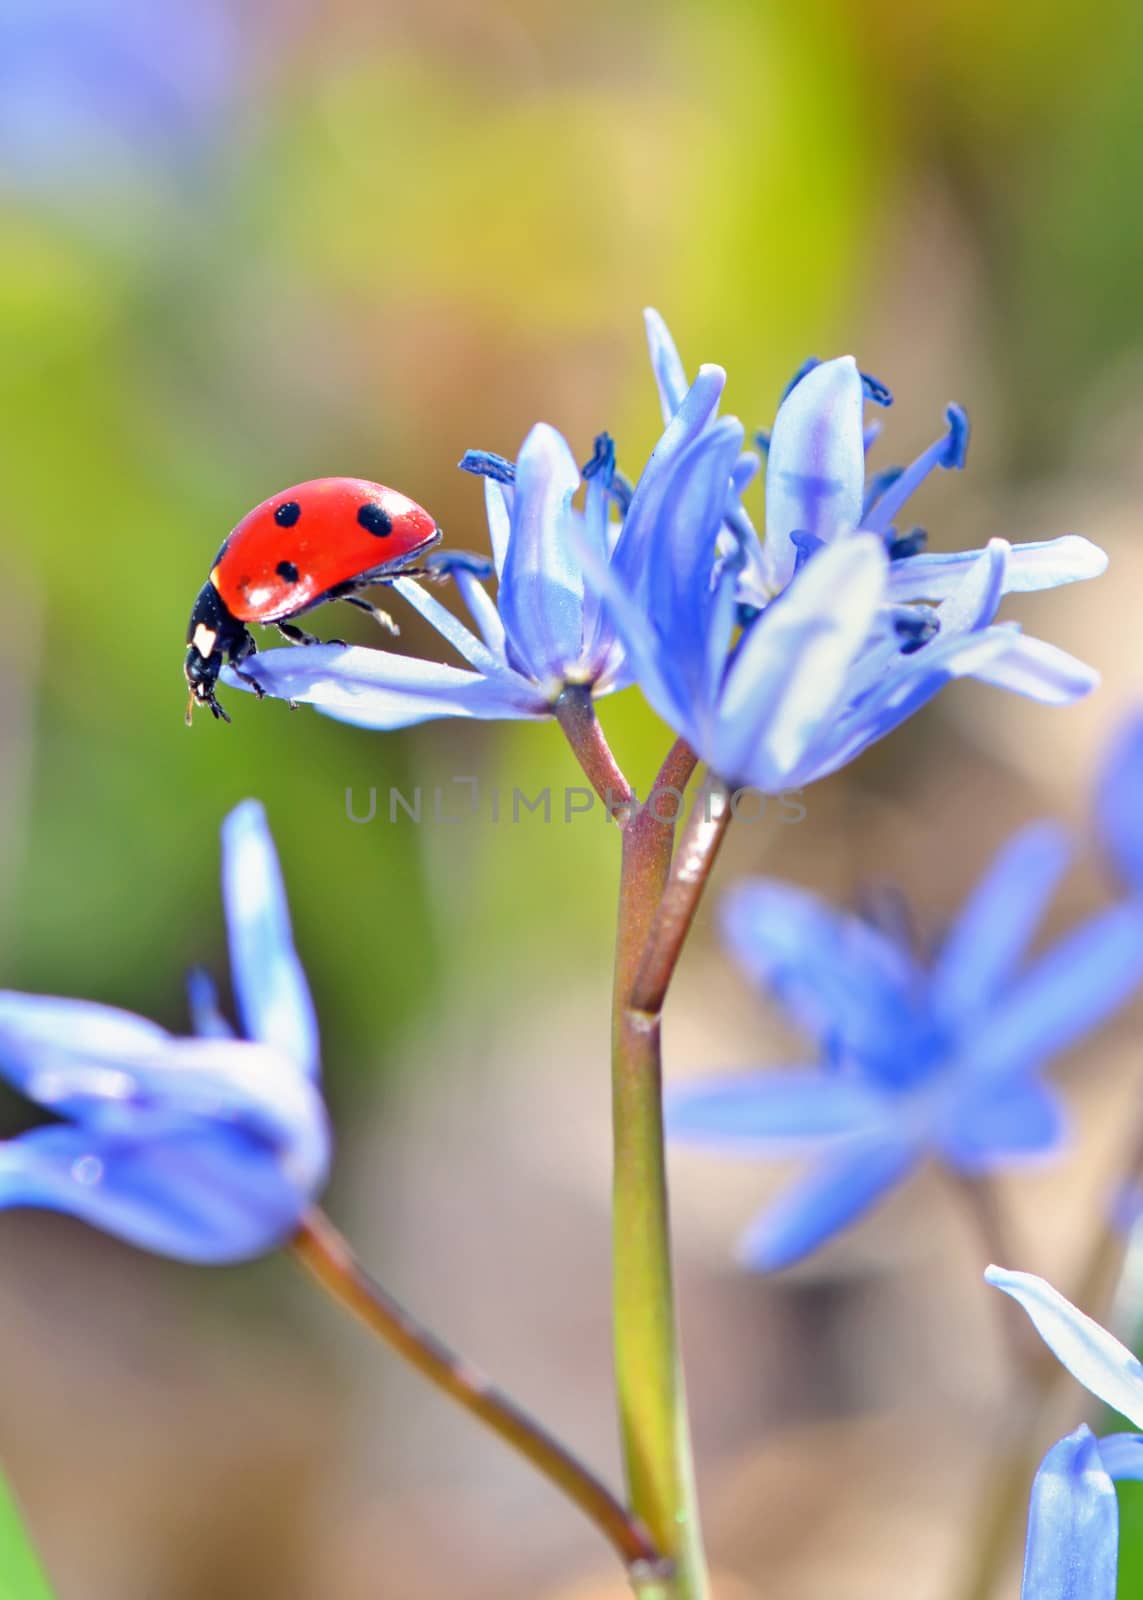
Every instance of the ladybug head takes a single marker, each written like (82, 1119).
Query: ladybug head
(213, 633)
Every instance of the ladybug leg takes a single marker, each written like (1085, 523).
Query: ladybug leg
(382, 617)
(296, 635)
(240, 652)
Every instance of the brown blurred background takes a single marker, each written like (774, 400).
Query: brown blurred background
(247, 244)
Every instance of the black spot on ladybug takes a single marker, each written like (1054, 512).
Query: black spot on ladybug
(287, 513)
(287, 570)
(375, 519)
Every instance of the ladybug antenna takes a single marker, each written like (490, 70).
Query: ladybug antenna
(190, 708)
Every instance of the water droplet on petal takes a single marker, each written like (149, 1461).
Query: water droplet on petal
(87, 1170)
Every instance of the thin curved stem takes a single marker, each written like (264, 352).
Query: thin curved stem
(575, 713)
(701, 841)
(328, 1258)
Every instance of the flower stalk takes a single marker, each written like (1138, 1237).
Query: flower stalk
(328, 1259)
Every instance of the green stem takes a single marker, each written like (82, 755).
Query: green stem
(652, 1398)
(329, 1260)
(653, 1419)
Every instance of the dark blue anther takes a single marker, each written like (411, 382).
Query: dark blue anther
(602, 463)
(762, 440)
(909, 544)
(487, 464)
(956, 445)
(915, 626)
(875, 390)
(806, 545)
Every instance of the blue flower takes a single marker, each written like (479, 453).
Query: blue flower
(780, 660)
(208, 1148)
(938, 1059)
(1073, 1520)
(547, 629)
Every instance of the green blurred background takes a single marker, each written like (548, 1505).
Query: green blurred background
(243, 244)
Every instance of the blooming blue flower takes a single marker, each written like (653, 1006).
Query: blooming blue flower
(1073, 1521)
(938, 1059)
(846, 627)
(207, 1148)
(547, 628)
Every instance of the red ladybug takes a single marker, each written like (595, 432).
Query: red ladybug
(322, 540)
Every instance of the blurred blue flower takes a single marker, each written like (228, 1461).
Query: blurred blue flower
(90, 89)
(1119, 803)
(546, 629)
(781, 661)
(207, 1148)
(1073, 1520)
(918, 1059)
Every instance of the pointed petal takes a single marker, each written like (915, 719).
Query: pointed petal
(377, 689)
(760, 1111)
(1073, 1525)
(789, 678)
(270, 988)
(697, 409)
(995, 1129)
(989, 938)
(1067, 993)
(1043, 565)
(836, 976)
(670, 376)
(1119, 803)
(189, 1190)
(1094, 1357)
(69, 1055)
(541, 587)
(815, 470)
(836, 1192)
(1040, 671)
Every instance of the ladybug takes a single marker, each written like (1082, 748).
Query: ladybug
(321, 540)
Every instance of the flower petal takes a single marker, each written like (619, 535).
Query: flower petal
(1119, 803)
(1094, 1357)
(1073, 1525)
(815, 470)
(670, 375)
(1041, 671)
(788, 1108)
(835, 975)
(1045, 564)
(698, 407)
(377, 689)
(994, 1129)
(541, 587)
(189, 1190)
(836, 1192)
(989, 938)
(270, 988)
(69, 1055)
(1067, 993)
(788, 679)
